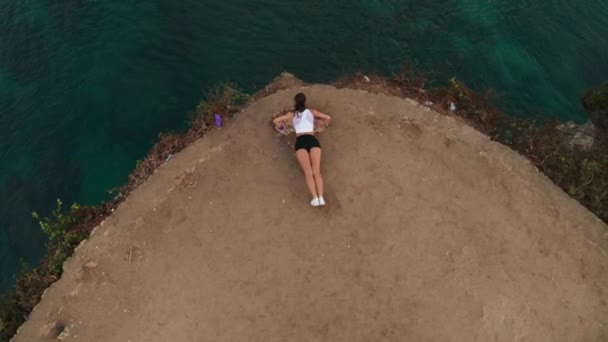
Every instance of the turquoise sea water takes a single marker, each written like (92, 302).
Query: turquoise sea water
(85, 86)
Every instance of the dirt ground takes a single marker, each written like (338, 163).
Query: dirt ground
(432, 233)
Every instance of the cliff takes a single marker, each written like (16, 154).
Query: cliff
(432, 232)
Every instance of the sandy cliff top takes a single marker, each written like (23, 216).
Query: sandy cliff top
(432, 233)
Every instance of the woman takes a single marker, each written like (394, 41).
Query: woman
(308, 149)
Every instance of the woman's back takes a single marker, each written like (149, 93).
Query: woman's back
(304, 122)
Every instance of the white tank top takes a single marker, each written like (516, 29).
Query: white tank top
(304, 122)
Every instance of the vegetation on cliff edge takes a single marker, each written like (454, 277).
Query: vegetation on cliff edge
(66, 229)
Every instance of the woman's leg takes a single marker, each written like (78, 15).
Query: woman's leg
(315, 158)
(304, 159)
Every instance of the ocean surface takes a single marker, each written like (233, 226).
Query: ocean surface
(85, 86)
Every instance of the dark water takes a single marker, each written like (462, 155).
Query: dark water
(86, 85)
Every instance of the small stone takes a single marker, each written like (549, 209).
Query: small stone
(578, 136)
(91, 264)
(53, 329)
(64, 334)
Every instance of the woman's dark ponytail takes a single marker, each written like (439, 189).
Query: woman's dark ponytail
(300, 104)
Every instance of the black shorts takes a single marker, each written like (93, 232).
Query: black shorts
(307, 142)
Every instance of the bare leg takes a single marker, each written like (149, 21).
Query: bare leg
(305, 163)
(315, 158)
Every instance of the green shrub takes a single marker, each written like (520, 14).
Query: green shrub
(224, 100)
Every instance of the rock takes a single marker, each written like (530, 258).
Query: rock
(595, 101)
(53, 330)
(284, 81)
(64, 334)
(91, 264)
(576, 136)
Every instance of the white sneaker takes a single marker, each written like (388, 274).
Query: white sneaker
(321, 201)
(315, 202)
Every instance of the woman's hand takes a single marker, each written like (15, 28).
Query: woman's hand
(325, 119)
(281, 122)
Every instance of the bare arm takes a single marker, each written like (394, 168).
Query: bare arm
(322, 116)
(287, 116)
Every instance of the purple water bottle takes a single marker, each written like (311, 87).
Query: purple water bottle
(218, 120)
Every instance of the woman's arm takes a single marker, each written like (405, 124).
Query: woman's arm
(320, 115)
(286, 116)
